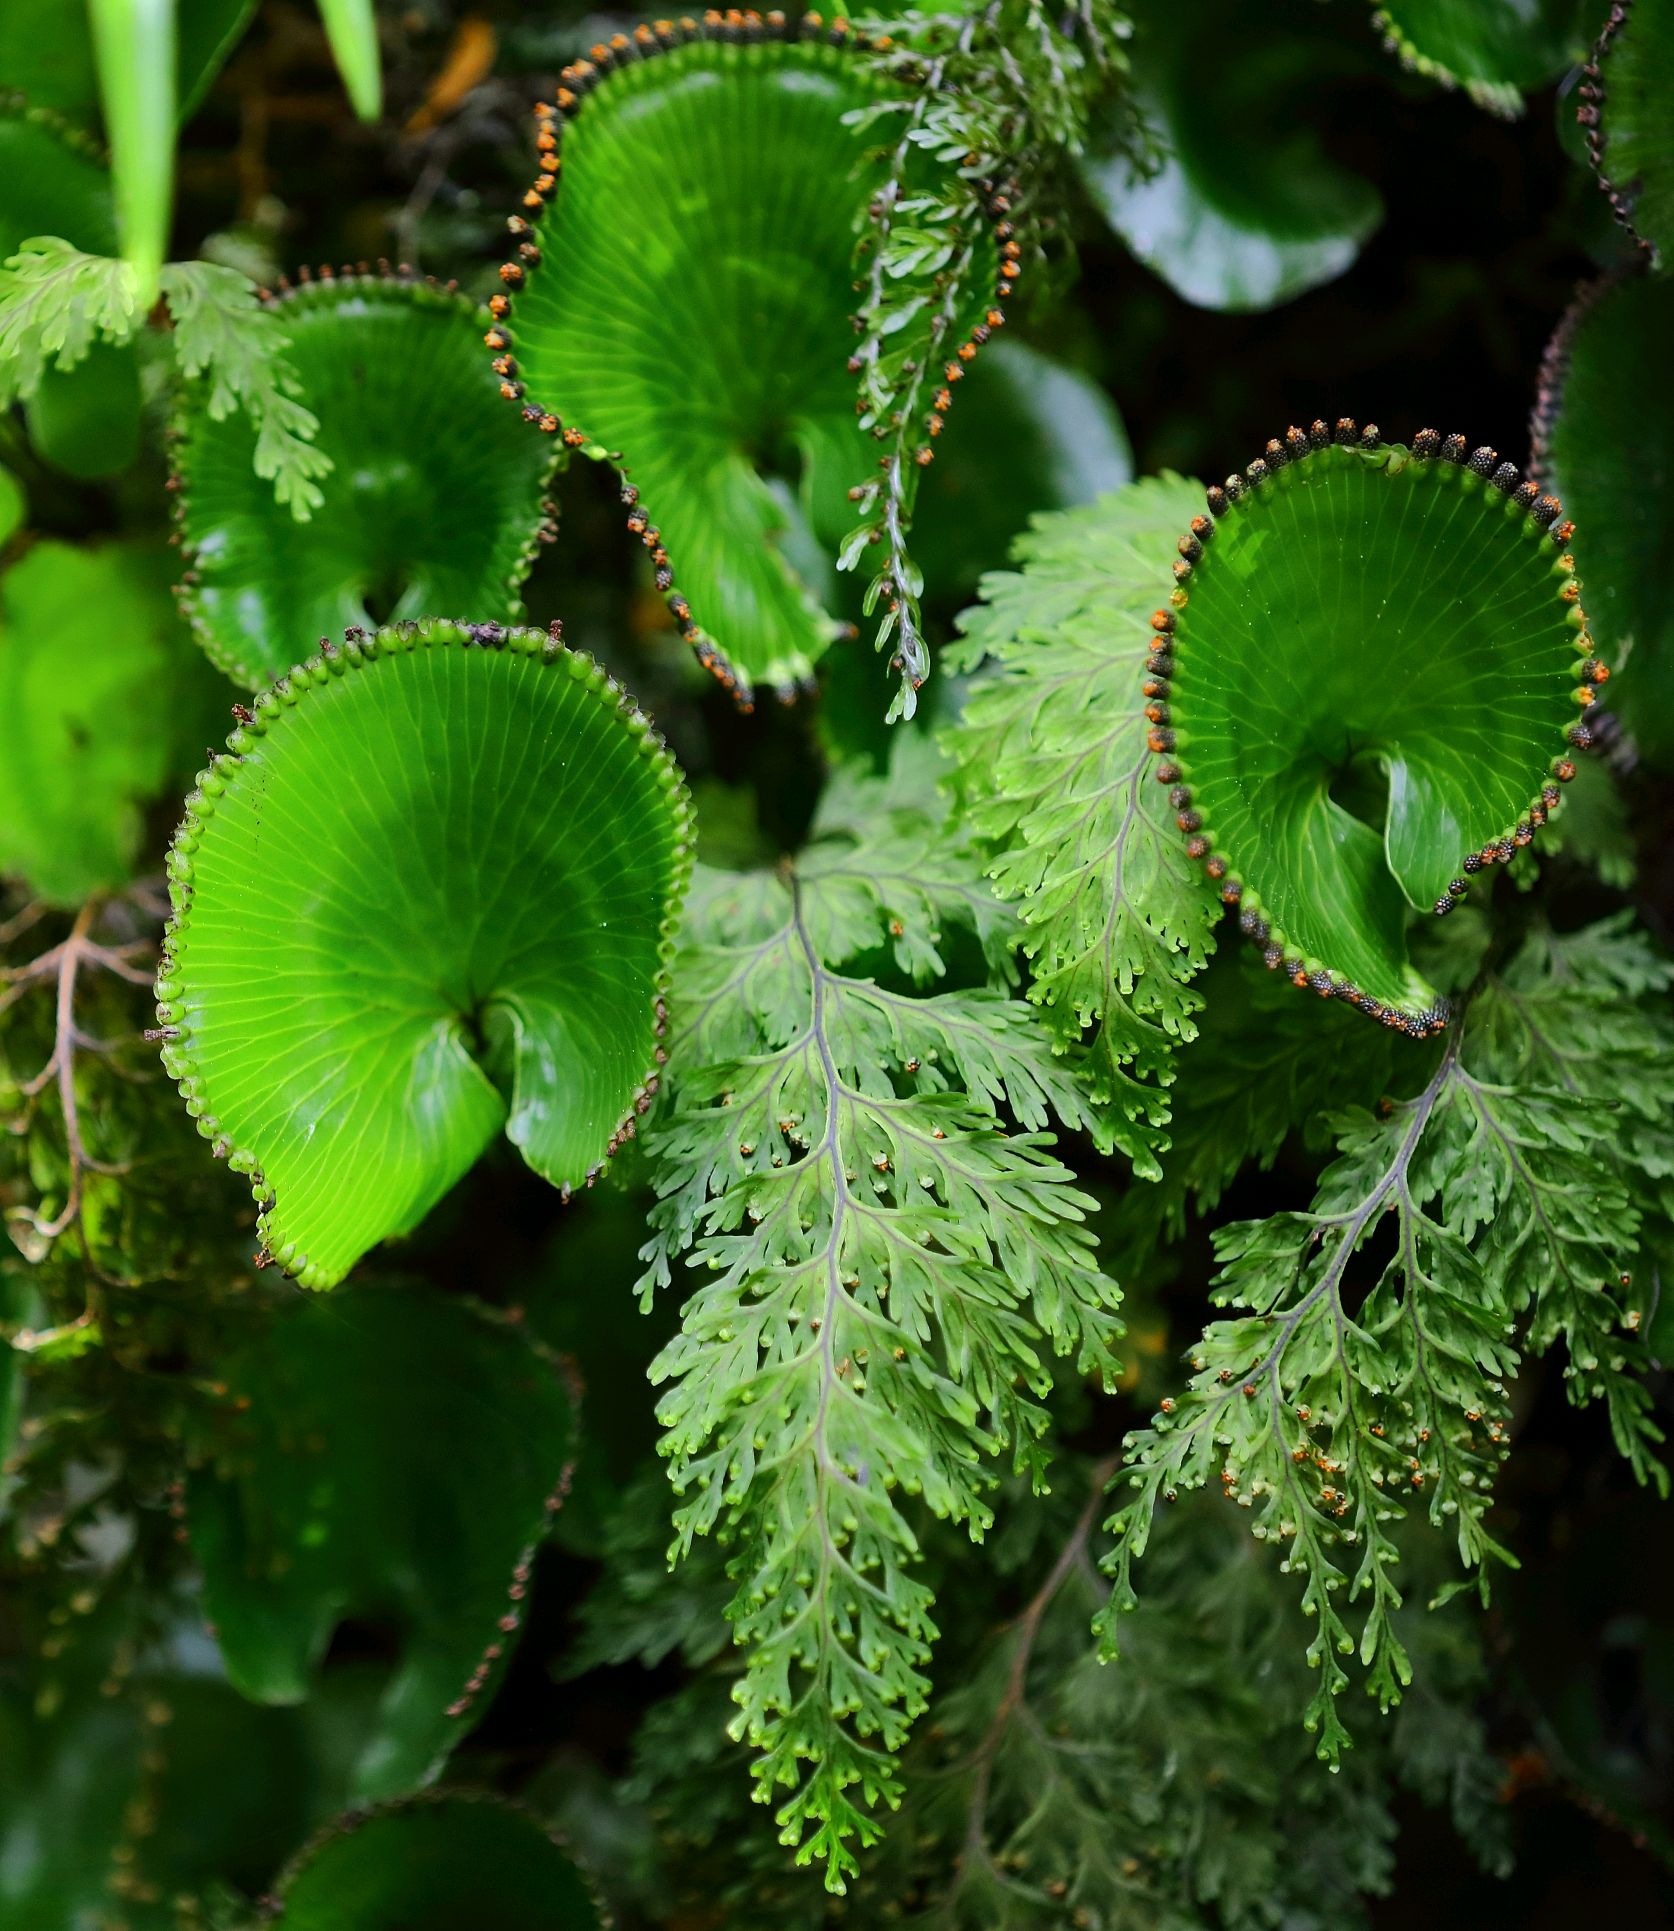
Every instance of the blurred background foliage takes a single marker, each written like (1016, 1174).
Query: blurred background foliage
(1318, 230)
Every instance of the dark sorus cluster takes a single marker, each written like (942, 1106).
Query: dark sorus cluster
(1590, 115)
(741, 27)
(1544, 509)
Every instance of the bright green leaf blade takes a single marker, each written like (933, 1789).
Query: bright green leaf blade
(352, 28)
(1363, 617)
(438, 1864)
(433, 501)
(427, 895)
(1246, 209)
(1603, 438)
(101, 700)
(392, 1456)
(134, 46)
(702, 334)
(1030, 434)
(1630, 128)
(1497, 50)
(46, 52)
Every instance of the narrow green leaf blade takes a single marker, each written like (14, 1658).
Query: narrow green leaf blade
(352, 28)
(134, 44)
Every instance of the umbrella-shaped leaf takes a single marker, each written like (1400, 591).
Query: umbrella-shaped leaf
(1497, 50)
(437, 1864)
(393, 1457)
(1603, 439)
(1361, 693)
(426, 896)
(687, 311)
(433, 502)
(1627, 95)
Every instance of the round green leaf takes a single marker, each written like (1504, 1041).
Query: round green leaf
(1497, 50)
(1604, 440)
(446, 1863)
(1627, 112)
(102, 704)
(392, 1457)
(1246, 209)
(427, 896)
(1362, 684)
(433, 503)
(51, 182)
(690, 317)
(86, 420)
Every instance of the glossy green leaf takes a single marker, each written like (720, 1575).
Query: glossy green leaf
(134, 46)
(1245, 209)
(691, 318)
(390, 1457)
(438, 1864)
(426, 898)
(206, 32)
(1030, 434)
(86, 421)
(352, 28)
(432, 503)
(51, 183)
(1603, 437)
(1366, 682)
(1630, 129)
(1497, 50)
(101, 696)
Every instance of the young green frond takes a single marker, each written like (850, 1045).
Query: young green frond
(221, 330)
(55, 303)
(1365, 1376)
(888, 1263)
(1053, 759)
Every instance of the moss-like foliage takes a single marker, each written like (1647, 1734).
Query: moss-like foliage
(393, 1457)
(102, 702)
(438, 1864)
(1360, 691)
(1625, 109)
(1497, 50)
(1603, 437)
(695, 328)
(1246, 209)
(433, 501)
(426, 896)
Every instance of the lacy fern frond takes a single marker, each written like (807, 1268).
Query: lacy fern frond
(55, 303)
(1003, 96)
(886, 1263)
(222, 330)
(1053, 759)
(1364, 1377)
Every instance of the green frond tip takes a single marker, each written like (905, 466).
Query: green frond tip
(1053, 765)
(426, 895)
(1359, 694)
(1630, 134)
(384, 383)
(397, 1453)
(1601, 434)
(433, 1863)
(1495, 51)
(694, 327)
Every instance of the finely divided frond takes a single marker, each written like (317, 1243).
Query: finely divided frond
(1053, 760)
(884, 1268)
